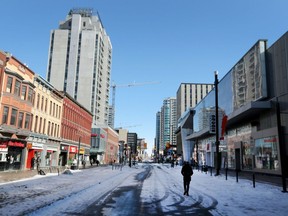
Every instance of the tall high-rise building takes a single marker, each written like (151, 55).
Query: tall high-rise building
(157, 138)
(168, 124)
(79, 62)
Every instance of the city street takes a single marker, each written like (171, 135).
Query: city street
(144, 189)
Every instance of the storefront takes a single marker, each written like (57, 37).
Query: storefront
(73, 151)
(34, 150)
(51, 156)
(11, 154)
(64, 149)
(266, 154)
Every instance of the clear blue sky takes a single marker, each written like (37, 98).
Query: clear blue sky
(167, 41)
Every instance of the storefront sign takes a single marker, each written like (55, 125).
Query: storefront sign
(16, 144)
(82, 151)
(73, 149)
(37, 146)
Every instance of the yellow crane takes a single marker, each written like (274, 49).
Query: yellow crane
(125, 85)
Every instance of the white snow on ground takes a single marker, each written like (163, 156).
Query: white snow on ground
(227, 196)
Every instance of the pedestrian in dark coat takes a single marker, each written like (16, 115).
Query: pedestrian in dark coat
(187, 172)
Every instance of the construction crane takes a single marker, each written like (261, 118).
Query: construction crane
(125, 85)
(128, 126)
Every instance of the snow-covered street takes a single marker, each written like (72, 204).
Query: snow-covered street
(145, 189)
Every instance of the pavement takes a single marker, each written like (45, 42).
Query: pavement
(7, 176)
(14, 175)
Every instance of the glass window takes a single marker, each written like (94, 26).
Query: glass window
(36, 124)
(20, 119)
(23, 92)
(27, 121)
(266, 153)
(5, 115)
(17, 88)
(38, 101)
(42, 103)
(30, 95)
(40, 124)
(9, 84)
(46, 103)
(13, 117)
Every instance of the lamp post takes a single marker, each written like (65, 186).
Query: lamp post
(217, 124)
(130, 154)
(78, 152)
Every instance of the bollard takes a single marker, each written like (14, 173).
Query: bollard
(58, 170)
(226, 173)
(236, 175)
(253, 180)
(211, 170)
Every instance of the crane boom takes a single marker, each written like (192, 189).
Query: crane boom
(126, 85)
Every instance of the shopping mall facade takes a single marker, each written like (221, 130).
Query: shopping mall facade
(252, 114)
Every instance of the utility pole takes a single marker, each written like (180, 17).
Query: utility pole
(217, 125)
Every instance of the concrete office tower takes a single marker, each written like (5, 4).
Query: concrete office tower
(79, 62)
(189, 94)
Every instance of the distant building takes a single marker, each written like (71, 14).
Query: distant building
(188, 96)
(168, 125)
(157, 137)
(79, 62)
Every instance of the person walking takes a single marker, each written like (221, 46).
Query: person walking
(187, 172)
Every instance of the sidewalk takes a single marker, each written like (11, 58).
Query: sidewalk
(13, 175)
(271, 179)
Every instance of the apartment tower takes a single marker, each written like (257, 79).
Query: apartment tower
(79, 62)
(168, 125)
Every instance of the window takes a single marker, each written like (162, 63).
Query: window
(9, 84)
(20, 119)
(44, 125)
(27, 121)
(50, 108)
(30, 95)
(17, 88)
(23, 92)
(5, 115)
(13, 117)
(48, 129)
(53, 109)
(38, 101)
(36, 124)
(266, 156)
(42, 103)
(40, 125)
(46, 103)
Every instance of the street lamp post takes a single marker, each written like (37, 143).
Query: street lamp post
(217, 124)
(130, 155)
(78, 152)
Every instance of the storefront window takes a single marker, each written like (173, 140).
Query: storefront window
(266, 155)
